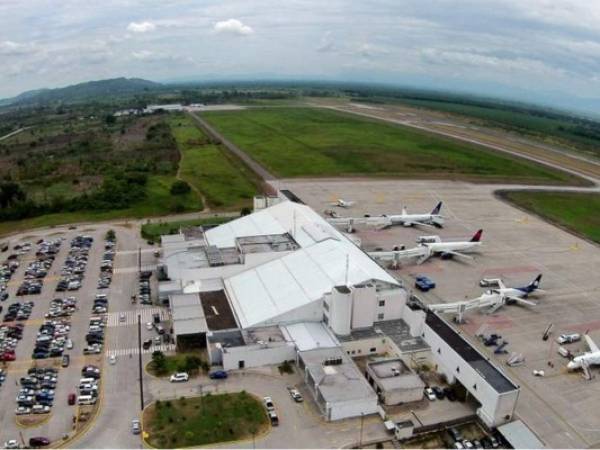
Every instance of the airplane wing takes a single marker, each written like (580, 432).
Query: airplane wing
(421, 224)
(521, 301)
(501, 284)
(454, 253)
(495, 307)
(591, 344)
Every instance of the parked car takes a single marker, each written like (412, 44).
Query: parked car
(424, 283)
(72, 398)
(274, 419)
(296, 396)
(135, 426)
(217, 374)
(430, 394)
(39, 442)
(12, 443)
(268, 401)
(180, 377)
(66, 360)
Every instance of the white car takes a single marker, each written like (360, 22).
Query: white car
(22, 410)
(122, 317)
(430, 394)
(268, 401)
(12, 443)
(112, 360)
(69, 344)
(180, 377)
(149, 326)
(136, 428)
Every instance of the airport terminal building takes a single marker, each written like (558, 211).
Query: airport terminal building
(282, 284)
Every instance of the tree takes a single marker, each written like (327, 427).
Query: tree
(192, 363)
(159, 362)
(245, 211)
(180, 187)
(110, 119)
(10, 194)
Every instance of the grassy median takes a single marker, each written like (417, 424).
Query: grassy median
(576, 212)
(205, 420)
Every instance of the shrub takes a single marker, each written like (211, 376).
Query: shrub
(180, 187)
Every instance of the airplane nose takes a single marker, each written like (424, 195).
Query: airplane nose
(572, 365)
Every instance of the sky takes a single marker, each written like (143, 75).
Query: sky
(540, 50)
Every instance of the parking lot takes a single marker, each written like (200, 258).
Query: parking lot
(561, 406)
(63, 322)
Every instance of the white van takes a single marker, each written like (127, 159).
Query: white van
(86, 400)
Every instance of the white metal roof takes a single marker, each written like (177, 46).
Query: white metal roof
(298, 279)
(519, 435)
(310, 335)
(305, 225)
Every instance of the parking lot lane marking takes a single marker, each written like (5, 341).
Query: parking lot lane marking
(131, 316)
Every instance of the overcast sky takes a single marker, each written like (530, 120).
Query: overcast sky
(530, 48)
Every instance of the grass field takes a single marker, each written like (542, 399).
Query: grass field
(158, 202)
(223, 180)
(294, 142)
(204, 420)
(574, 211)
(176, 363)
(567, 132)
(154, 231)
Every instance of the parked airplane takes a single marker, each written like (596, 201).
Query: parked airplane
(408, 220)
(517, 294)
(590, 358)
(448, 250)
(343, 203)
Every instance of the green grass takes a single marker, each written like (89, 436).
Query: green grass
(576, 212)
(153, 231)
(174, 363)
(566, 131)
(158, 202)
(204, 420)
(294, 142)
(223, 180)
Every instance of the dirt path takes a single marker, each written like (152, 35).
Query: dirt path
(194, 188)
(6, 136)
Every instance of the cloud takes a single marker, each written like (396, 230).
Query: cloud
(367, 50)
(326, 44)
(10, 48)
(143, 55)
(233, 26)
(141, 27)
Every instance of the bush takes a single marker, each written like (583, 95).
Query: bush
(180, 187)
(286, 367)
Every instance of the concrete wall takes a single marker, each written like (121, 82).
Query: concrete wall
(493, 409)
(363, 347)
(395, 301)
(415, 319)
(364, 307)
(340, 311)
(258, 355)
(344, 410)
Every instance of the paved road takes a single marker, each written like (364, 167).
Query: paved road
(6, 136)
(213, 133)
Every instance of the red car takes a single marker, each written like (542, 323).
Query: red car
(8, 356)
(72, 398)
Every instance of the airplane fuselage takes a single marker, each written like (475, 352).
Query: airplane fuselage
(441, 247)
(414, 219)
(591, 358)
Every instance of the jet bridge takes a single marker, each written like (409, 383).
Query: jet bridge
(395, 256)
(459, 308)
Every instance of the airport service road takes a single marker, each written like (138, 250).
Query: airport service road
(300, 425)
(561, 408)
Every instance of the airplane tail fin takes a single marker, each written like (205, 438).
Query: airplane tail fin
(437, 209)
(535, 283)
(404, 211)
(477, 236)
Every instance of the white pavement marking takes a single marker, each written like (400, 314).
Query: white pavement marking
(135, 350)
(131, 316)
(134, 269)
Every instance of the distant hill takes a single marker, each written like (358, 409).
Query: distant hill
(84, 91)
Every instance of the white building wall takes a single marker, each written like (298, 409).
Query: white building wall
(448, 362)
(415, 319)
(311, 312)
(344, 410)
(363, 347)
(340, 311)
(394, 303)
(258, 355)
(363, 307)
